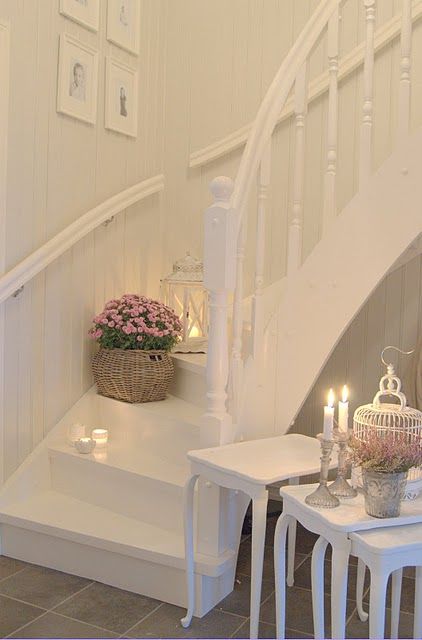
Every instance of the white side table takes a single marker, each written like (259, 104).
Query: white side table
(334, 527)
(249, 467)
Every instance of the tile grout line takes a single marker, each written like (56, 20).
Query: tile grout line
(28, 623)
(12, 575)
(73, 594)
(239, 627)
(142, 619)
(94, 626)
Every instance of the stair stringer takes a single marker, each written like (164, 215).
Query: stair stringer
(320, 301)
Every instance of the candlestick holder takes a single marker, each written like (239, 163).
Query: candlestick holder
(341, 487)
(322, 497)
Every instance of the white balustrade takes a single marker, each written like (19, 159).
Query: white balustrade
(219, 279)
(330, 202)
(264, 176)
(294, 247)
(365, 158)
(236, 370)
(405, 66)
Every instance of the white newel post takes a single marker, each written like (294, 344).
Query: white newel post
(365, 159)
(264, 176)
(330, 204)
(219, 280)
(294, 247)
(405, 66)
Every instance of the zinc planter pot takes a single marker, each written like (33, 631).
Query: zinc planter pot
(383, 493)
(133, 375)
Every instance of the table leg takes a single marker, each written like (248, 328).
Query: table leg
(339, 571)
(259, 525)
(360, 583)
(417, 621)
(317, 574)
(280, 536)
(188, 497)
(378, 592)
(291, 546)
(395, 602)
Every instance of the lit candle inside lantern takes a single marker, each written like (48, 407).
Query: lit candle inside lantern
(329, 417)
(194, 332)
(343, 411)
(75, 432)
(101, 437)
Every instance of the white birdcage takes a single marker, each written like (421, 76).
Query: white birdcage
(383, 417)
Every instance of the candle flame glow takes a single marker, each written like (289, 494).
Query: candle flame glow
(345, 393)
(330, 401)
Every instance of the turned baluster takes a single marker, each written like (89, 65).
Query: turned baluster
(330, 204)
(219, 279)
(405, 66)
(365, 163)
(294, 247)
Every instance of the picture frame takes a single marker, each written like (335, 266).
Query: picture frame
(123, 24)
(84, 12)
(121, 98)
(77, 83)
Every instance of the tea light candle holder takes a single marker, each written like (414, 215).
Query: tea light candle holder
(75, 432)
(101, 437)
(322, 497)
(85, 445)
(340, 487)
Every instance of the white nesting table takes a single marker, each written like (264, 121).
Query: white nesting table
(334, 527)
(249, 467)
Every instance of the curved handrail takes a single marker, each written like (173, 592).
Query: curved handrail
(347, 65)
(25, 270)
(274, 101)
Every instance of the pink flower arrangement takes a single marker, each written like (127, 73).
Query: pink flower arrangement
(136, 322)
(388, 452)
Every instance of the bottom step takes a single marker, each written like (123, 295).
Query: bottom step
(60, 532)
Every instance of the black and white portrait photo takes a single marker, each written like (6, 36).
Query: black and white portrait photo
(121, 97)
(84, 12)
(77, 79)
(123, 24)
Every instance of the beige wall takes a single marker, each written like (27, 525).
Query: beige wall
(58, 168)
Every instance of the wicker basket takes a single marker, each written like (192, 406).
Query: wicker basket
(132, 375)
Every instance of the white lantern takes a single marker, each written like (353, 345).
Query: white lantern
(183, 290)
(381, 417)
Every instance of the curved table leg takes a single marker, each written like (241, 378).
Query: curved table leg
(188, 496)
(360, 582)
(291, 550)
(379, 581)
(280, 536)
(417, 621)
(395, 602)
(317, 573)
(340, 568)
(259, 525)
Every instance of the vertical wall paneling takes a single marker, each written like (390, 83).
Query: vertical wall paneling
(4, 116)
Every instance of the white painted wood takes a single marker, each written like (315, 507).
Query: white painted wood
(405, 69)
(365, 159)
(294, 248)
(347, 65)
(4, 118)
(330, 201)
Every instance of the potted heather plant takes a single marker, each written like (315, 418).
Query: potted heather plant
(385, 460)
(135, 335)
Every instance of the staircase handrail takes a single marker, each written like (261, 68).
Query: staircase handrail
(14, 279)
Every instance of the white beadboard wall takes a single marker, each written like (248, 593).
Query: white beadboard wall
(58, 168)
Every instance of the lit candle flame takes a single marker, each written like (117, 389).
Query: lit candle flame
(345, 393)
(330, 401)
(194, 332)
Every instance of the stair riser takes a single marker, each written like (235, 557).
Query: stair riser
(128, 494)
(118, 570)
(188, 386)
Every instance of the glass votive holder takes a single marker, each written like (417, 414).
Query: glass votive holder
(75, 432)
(101, 437)
(85, 445)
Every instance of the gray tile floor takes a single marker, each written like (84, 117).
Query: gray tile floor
(41, 603)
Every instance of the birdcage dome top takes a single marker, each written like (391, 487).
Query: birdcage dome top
(187, 269)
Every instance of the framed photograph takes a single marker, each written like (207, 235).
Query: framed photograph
(77, 79)
(121, 100)
(123, 24)
(85, 12)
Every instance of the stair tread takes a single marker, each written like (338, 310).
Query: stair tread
(66, 517)
(125, 456)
